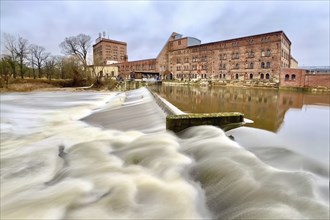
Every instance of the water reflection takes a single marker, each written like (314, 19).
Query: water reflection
(266, 107)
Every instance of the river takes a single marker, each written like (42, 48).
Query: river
(107, 155)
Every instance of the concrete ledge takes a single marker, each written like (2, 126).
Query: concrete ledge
(224, 120)
(166, 106)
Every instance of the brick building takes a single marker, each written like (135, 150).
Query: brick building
(305, 78)
(107, 51)
(257, 57)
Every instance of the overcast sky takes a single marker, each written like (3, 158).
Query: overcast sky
(146, 25)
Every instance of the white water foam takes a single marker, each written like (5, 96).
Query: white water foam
(60, 167)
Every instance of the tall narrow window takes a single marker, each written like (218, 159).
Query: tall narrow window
(261, 76)
(268, 65)
(251, 76)
(236, 76)
(267, 75)
(262, 65)
(251, 65)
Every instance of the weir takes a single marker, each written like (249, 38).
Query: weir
(176, 120)
(55, 165)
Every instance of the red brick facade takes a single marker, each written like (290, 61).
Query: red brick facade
(302, 78)
(107, 51)
(247, 58)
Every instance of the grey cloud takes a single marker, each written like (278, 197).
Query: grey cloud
(146, 25)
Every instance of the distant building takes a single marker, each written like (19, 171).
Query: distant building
(103, 71)
(107, 51)
(308, 77)
(257, 57)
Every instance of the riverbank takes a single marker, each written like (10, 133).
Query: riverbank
(28, 85)
(247, 84)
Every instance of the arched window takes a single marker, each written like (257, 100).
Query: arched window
(268, 65)
(251, 65)
(236, 76)
(251, 75)
(293, 77)
(262, 65)
(220, 76)
(262, 76)
(268, 53)
(262, 53)
(267, 75)
(287, 77)
(224, 76)
(237, 66)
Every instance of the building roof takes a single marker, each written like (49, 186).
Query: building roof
(316, 68)
(246, 37)
(99, 40)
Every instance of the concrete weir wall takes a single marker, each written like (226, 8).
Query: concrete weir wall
(176, 120)
(224, 120)
(167, 107)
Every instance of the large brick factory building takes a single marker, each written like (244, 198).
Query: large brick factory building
(257, 57)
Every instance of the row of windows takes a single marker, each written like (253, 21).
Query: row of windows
(235, 55)
(139, 67)
(284, 64)
(223, 76)
(285, 42)
(114, 47)
(285, 55)
(263, 65)
(251, 76)
(287, 77)
(115, 57)
(233, 44)
(249, 54)
(222, 66)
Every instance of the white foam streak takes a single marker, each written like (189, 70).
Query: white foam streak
(59, 167)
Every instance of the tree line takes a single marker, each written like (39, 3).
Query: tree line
(20, 59)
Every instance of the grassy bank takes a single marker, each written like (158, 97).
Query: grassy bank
(28, 84)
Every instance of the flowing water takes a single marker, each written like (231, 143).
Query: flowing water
(99, 155)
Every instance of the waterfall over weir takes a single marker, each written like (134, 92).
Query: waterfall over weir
(132, 110)
(94, 155)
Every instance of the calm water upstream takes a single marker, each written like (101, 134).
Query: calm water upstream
(300, 119)
(107, 155)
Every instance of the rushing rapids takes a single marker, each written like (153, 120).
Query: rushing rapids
(93, 155)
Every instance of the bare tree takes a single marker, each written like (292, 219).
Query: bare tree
(9, 42)
(38, 58)
(77, 46)
(97, 70)
(50, 66)
(21, 50)
(68, 66)
(5, 69)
